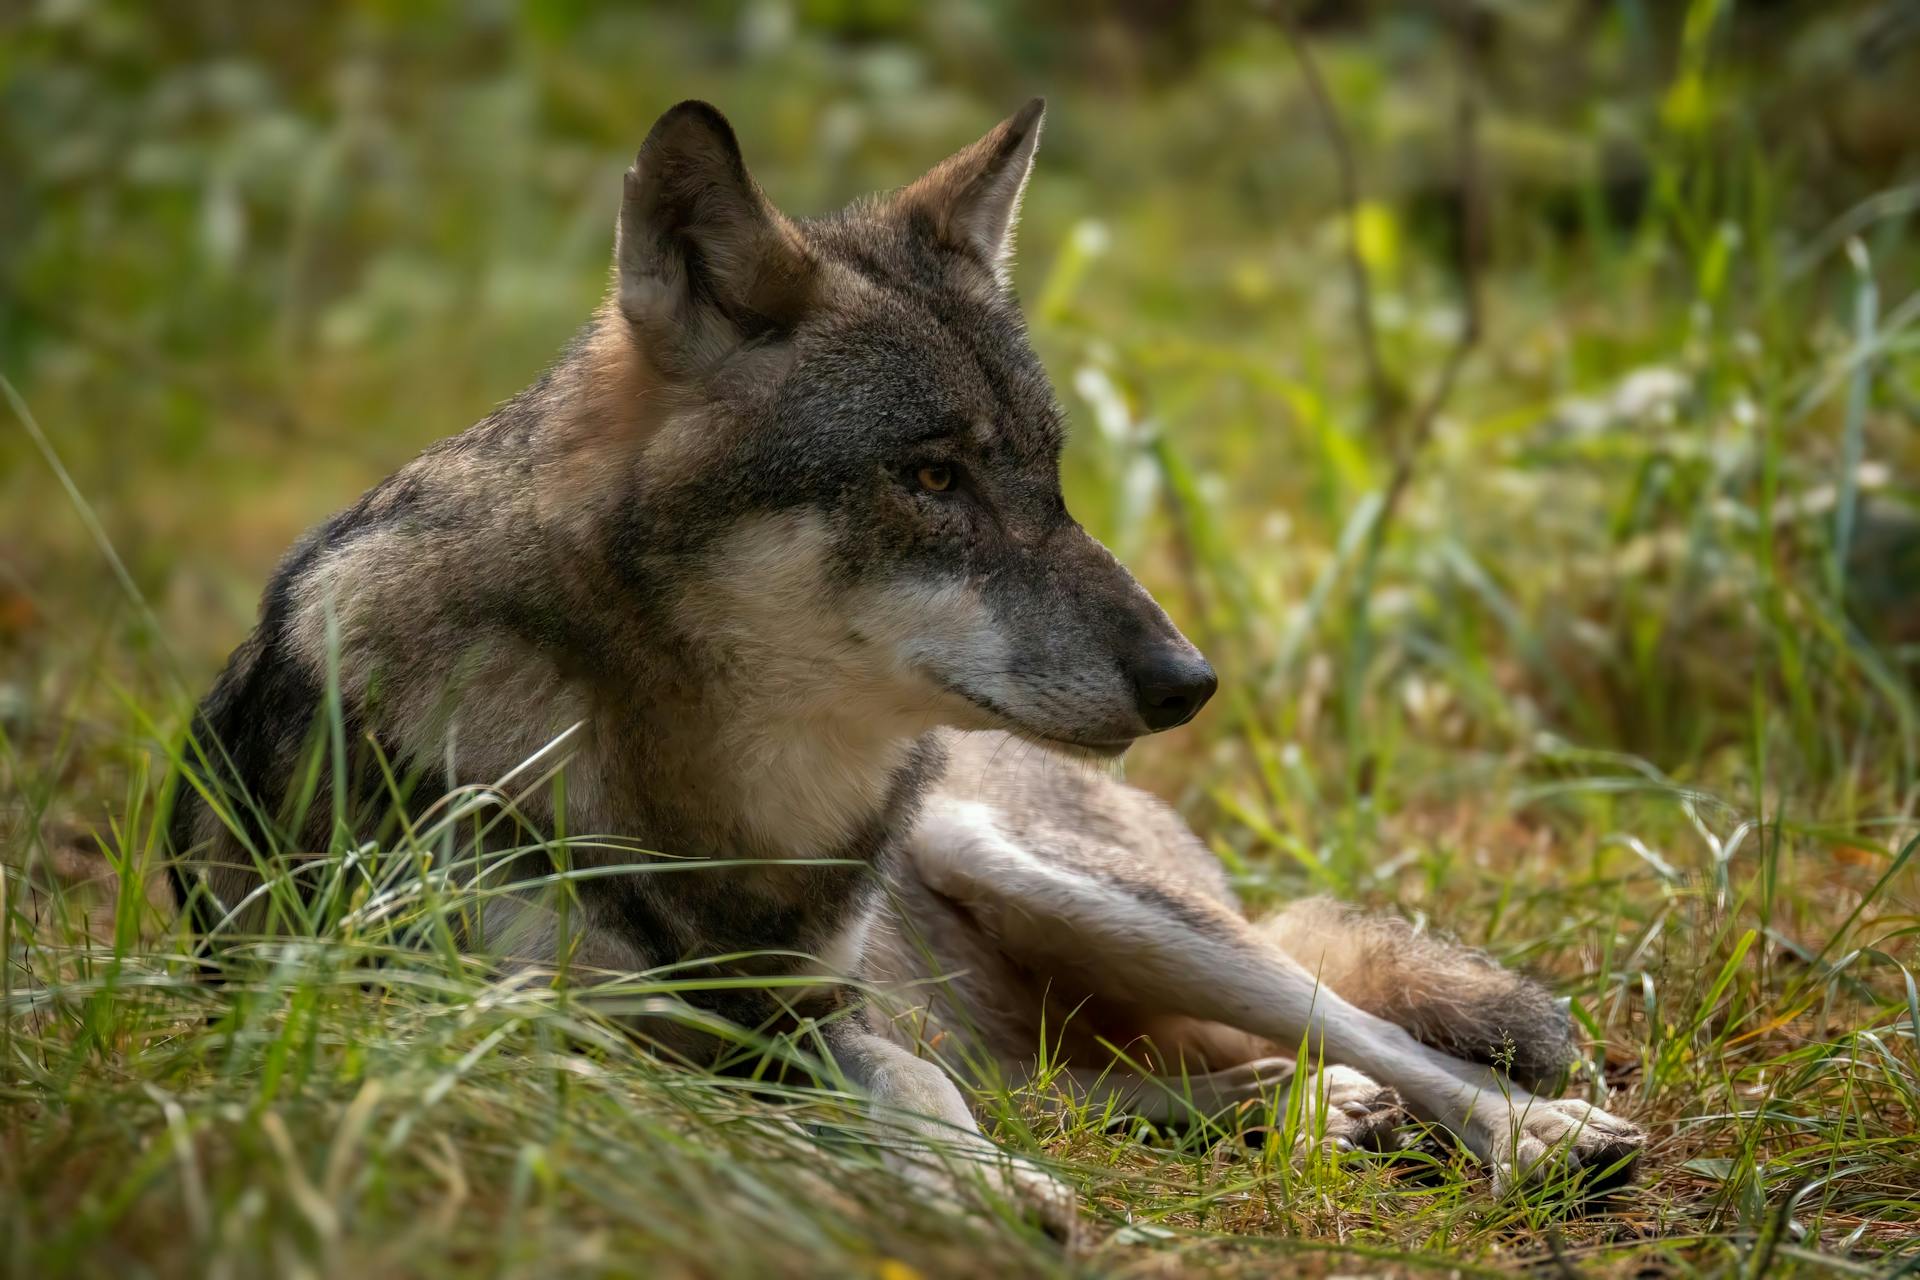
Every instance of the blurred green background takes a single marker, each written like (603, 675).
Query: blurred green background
(252, 257)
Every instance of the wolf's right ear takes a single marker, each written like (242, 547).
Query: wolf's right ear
(971, 200)
(704, 262)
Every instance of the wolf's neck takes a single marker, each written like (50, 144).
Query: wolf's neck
(807, 786)
(790, 730)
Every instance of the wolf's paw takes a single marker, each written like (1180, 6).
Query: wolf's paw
(993, 1182)
(1344, 1109)
(1536, 1141)
(1043, 1199)
(1353, 1112)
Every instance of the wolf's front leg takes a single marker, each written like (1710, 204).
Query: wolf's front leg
(1198, 958)
(947, 1154)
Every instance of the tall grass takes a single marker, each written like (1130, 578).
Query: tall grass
(1626, 694)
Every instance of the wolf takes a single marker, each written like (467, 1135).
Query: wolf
(776, 558)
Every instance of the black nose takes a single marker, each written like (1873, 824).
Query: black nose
(1170, 686)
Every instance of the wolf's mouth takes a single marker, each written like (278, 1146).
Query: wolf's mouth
(1075, 746)
(1098, 748)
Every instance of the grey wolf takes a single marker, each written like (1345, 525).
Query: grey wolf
(781, 525)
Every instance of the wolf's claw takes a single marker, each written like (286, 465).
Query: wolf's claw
(1361, 1114)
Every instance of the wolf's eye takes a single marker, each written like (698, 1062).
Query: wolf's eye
(935, 479)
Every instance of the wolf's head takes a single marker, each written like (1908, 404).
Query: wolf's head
(849, 464)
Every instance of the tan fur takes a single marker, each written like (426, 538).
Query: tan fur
(823, 724)
(603, 426)
(1449, 996)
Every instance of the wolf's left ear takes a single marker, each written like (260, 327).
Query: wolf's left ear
(705, 262)
(972, 199)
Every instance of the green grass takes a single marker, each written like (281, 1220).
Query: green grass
(1625, 693)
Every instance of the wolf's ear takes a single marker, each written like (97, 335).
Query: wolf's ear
(972, 198)
(704, 262)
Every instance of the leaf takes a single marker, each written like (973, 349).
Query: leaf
(1719, 1168)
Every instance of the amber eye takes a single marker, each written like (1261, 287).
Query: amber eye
(935, 479)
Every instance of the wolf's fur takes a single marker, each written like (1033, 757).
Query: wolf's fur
(785, 514)
(1450, 997)
(1084, 823)
(1042, 904)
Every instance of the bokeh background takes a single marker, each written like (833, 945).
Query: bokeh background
(252, 257)
(1626, 675)
(255, 256)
